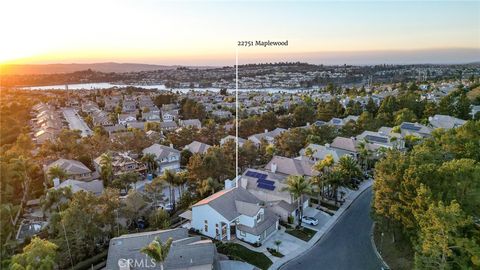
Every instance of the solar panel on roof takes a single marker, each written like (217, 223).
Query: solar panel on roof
(250, 174)
(261, 176)
(268, 187)
(410, 126)
(376, 139)
(267, 182)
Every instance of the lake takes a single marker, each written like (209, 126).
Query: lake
(99, 86)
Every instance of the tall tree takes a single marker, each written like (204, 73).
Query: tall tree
(39, 254)
(298, 186)
(106, 169)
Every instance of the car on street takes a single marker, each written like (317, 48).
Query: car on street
(310, 220)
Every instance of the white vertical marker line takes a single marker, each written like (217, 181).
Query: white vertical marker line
(236, 112)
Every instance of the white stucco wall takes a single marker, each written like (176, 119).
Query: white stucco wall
(205, 212)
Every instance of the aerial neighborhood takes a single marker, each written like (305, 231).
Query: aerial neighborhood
(111, 175)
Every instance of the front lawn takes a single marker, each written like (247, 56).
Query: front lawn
(240, 253)
(303, 233)
(275, 253)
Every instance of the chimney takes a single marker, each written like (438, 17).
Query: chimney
(266, 130)
(273, 167)
(308, 124)
(327, 145)
(56, 182)
(171, 145)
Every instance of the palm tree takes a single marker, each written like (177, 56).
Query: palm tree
(57, 172)
(182, 179)
(106, 169)
(207, 187)
(350, 170)
(324, 167)
(297, 186)
(335, 181)
(149, 160)
(157, 250)
(278, 243)
(365, 154)
(170, 177)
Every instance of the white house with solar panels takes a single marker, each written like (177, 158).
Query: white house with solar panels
(379, 139)
(234, 213)
(415, 129)
(269, 185)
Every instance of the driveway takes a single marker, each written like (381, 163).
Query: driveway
(347, 245)
(321, 216)
(289, 242)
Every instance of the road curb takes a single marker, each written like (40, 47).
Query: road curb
(331, 225)
(385, 265)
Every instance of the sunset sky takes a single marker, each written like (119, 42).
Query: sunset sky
(205, 32)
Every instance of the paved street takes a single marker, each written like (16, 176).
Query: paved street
(76, 122)
(347, 245)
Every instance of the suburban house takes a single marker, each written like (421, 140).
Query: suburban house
(241, 141)
(319, 152)
(122, 163)
(344, 146)
(168, 126)
(169, 115)
(191, 123)
(95, 186)
(415, 129)
(234, 212)
(151, 116)
(445, 121)
(269, 136)
(196, 147)
(291, 166)
(101, 118)
(124, 118)
(222, 114)
(167, 158)
(129, 106)
(268, 186)
(186, 252)
(378, 139)
(74, 169)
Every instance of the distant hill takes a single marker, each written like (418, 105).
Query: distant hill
(67, 68)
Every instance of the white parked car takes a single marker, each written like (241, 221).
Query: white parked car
(310, 220)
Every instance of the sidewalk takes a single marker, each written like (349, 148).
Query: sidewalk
(325, 229)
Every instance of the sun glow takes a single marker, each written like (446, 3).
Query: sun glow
(162, 32)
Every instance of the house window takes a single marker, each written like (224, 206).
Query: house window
(259, 217)
(206, 226)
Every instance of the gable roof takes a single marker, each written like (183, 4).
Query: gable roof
(320, 152)
(186, 252)
(343, 143)
(197, 147)
(445, 121)
(225, 202)
(160, 151)
(291, 166)
(70, 166)
(95, 186)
